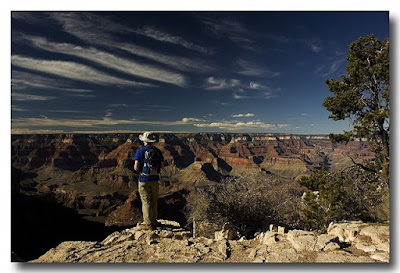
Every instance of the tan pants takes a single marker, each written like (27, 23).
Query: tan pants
(149, 195)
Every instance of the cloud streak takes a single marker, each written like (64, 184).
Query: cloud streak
(250, 69)
(241, 90)
(72, 70)
(88, 26)
(24, 80)
(243, 115)
(326, 71)
(232, 126)
(213, 83)
(233, 30)
(161, 36)
(109, 60)
(28, 97)
(94, 123)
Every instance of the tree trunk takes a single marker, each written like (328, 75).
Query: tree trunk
(385, 155)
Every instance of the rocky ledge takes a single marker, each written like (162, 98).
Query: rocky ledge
(351, 242)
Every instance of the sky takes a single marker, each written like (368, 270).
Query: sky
(188, 71)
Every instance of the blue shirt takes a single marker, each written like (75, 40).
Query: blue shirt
(139, 156)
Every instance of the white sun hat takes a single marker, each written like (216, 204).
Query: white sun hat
(148, 137)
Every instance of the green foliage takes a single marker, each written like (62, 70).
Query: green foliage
(351, 194)
(339, 138)
(363, 97)
(323, 199)
(315, 180)
(312, 213)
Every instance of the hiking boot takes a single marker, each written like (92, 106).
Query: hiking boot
(144, 226)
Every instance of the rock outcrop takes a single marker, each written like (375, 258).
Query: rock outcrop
(171, 244)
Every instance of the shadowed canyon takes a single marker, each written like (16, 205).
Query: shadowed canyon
(83, 187)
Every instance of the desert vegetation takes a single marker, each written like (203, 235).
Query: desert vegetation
(351, 194)
(249, 203)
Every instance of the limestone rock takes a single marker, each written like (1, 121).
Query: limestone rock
(224, 249)
(326, 242)
(171, 244)
(382, 257)
(227, 233)
(346, 232)
(378, 233)
(373, 239)
(311, 241)
(268, 238)
(302, 240)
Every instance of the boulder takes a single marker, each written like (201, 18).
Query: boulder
(311, 241)
(379, 234)
(302, 240)
(346, 232)
(227, 233)
(268, 238)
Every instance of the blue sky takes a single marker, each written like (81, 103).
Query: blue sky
(180, 71)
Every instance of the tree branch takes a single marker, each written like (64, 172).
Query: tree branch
(361, 165)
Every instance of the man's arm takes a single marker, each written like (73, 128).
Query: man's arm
(136, 167)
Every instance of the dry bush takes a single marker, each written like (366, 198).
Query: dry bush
(249, 203)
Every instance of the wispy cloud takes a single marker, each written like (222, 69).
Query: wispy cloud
(237, 96)
(28, 97)
(213, 83)
(109, 60)
(191, 120)
(241, 90)
(65, 111)
(162, 36)
(313, 44)
(243, 115)
(24, 80)
(144, 107)
(23, 131)
(72, 70)
(230, 29)
(86, 26)
(232, 126)
(327, 70)
(118, 105)
(108, 114)
(107, 120)
(251, 69)
(176, 62)
(18, 108)
(29, 17)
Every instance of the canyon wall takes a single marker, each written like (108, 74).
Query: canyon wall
(93, 173)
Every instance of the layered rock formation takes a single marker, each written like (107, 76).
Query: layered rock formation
(171, 244)
(93, 173)
(287, 156)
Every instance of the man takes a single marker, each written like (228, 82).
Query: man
(148, 161)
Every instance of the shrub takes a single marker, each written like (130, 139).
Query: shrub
(351, 194)
(248, 202)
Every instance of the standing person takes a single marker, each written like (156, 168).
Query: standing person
(148, 161)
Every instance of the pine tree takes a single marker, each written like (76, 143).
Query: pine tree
(363, 97)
